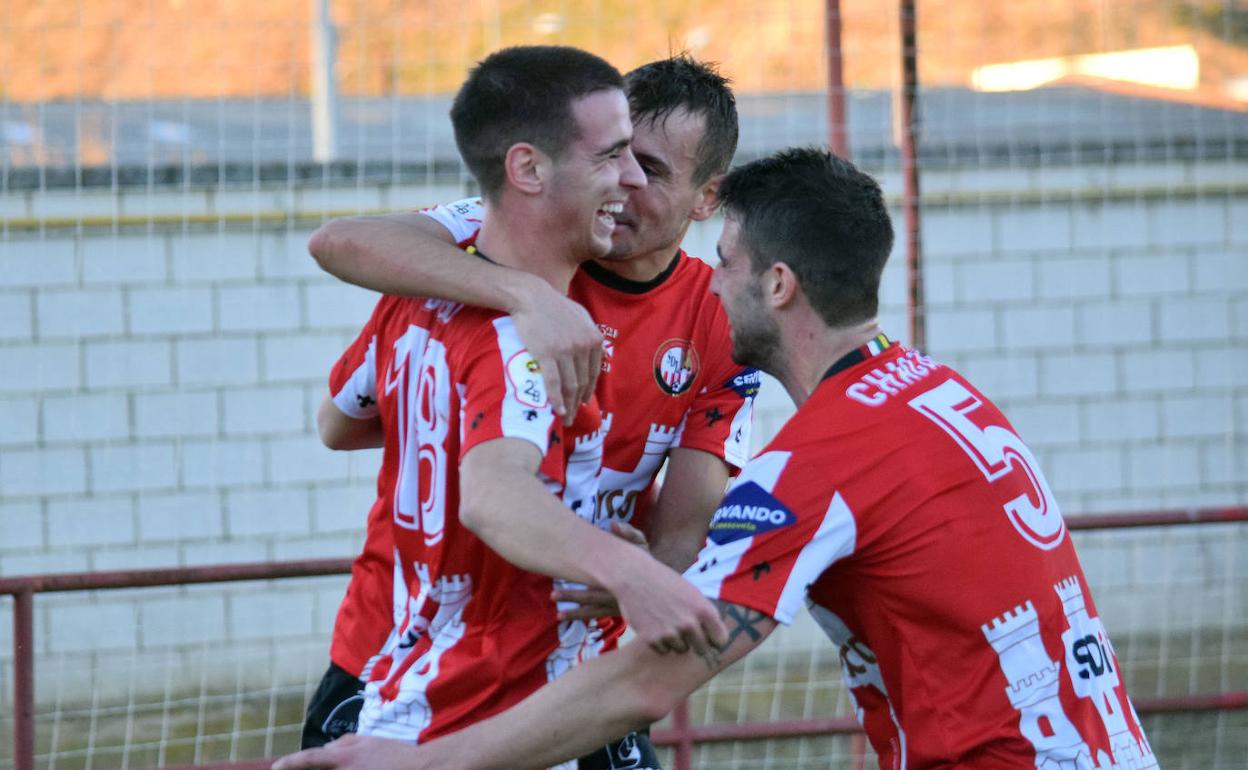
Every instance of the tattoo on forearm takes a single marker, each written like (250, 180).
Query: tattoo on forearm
(740, 620)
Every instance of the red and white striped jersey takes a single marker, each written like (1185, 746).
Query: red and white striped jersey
(668, 378)
(471, 633)
(902, 507)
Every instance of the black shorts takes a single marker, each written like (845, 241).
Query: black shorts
(334, 709)
(632, 752)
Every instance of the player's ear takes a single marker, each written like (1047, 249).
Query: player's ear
(708, 199)
(524, 165)
(780, 285)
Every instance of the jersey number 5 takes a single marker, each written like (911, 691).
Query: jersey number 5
(1002, 457)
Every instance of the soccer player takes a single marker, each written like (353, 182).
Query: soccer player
(473, 451)
(898, 504)
(668, 385)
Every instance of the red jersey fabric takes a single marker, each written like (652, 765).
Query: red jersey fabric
(668, 378)
(470, 634)
(902, 507)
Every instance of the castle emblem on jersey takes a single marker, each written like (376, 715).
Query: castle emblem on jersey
(675, 366)
(746, 511)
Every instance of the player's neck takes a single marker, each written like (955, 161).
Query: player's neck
(524, 242)
(808, 348)
(642, 268)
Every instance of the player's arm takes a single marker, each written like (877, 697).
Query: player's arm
(339, 431)
(347, 417)
(594, 702)
(692, 488)
(411, 254)
(503, 502)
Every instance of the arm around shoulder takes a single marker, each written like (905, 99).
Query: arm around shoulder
(410, 254)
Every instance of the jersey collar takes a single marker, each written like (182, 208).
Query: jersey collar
(613, 281)
(873, 347)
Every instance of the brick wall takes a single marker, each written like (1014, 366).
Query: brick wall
(159, 379)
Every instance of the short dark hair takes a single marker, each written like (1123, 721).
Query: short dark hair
(822, 217)
(658, 89)
(523, 94)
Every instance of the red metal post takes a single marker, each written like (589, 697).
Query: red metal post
(838, 140)
(910, 172)
(684, 738)
(1156, 518)
(858, 751)
(24, 680)
(682, 735)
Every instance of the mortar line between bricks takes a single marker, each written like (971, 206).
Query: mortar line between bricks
(291, 218)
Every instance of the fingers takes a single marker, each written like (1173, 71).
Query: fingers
(697, 642)
(589, 612)
(715, 630)
(583, 595)
(554, 387)
(671, 643)
(628, 532)
(593, 603)
(595, 368)
(581, 363)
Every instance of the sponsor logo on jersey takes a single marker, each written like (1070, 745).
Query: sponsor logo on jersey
(748, 510)
(525, 375)
(747, 383)
(675, 366)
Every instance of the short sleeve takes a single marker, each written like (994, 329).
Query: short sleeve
(721, 416)
(353, 380)
(503, 394)
(462, 218)
(772, 536)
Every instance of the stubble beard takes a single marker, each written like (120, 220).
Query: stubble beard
(756, 338)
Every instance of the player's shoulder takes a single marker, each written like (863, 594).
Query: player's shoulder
(458, 322)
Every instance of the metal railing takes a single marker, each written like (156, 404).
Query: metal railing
(682, 735)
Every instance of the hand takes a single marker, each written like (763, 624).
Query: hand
(667, 612)
(566, 343)
(353, 752)
(627, 532)
(599, 602)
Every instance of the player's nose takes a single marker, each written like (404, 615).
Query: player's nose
(631, 175)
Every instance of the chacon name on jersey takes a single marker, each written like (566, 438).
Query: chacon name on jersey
(874, 387)
(746, 511)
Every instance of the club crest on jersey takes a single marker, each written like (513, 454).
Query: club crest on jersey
(675, 366)
(746, 511)
(525, 375)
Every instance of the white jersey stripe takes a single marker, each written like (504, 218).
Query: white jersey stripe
(716, 561)
(461, 218)
(526, 410)
(737, 445)
(834, 540)
(357, 398)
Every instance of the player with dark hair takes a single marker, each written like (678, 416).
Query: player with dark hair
(472, 448)
(898, 504)
(668, 388)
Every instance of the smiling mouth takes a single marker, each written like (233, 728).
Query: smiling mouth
(608, 211)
